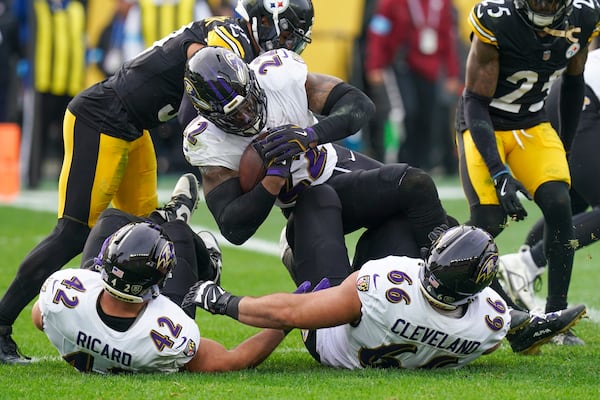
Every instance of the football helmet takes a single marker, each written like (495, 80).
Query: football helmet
(135, 262)
(225, 91)
(288, 22)
(540, 14)
(461, 263)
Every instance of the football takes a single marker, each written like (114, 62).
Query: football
(251, 170)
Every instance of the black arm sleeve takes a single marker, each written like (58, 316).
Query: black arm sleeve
(571, 102)
(239, 214)
(479, 123)
(347, 109)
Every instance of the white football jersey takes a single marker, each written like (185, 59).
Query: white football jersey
(162, 339)
(399, 328)
(282, 75)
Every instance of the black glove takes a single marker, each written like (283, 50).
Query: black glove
(272, 167)
(506, 189)
(212, 298)
(280, 169)
(284, 142)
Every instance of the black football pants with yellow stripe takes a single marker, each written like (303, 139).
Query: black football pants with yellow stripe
(98, 170)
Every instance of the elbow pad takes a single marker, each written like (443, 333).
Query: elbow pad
(238, 214)
(347, 109)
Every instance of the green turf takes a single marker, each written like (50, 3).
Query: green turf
(290, 373)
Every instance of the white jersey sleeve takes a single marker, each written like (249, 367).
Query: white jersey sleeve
(162, 339)
(399, 328)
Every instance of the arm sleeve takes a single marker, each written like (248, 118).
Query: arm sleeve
(571, 102)
(347, 109)
(239, 215)
(479, 123)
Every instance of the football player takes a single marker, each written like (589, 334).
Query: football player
(113, 318)
(109, 155)
(401, 312)
(325, 190)
(519, 271)
(506, 144)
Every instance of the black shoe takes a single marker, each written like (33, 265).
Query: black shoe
(542, 328)
(9, 351)
(214, 252)
(184, 200)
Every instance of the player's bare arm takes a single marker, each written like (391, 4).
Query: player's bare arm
(318, 87)
(214, 176)
(214, 357)
(330, 307)
(193, 48)
(483, 65)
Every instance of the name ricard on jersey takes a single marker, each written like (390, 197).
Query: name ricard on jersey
(433, 337)
(104, 350)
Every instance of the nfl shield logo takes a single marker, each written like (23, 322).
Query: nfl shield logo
(546, 55)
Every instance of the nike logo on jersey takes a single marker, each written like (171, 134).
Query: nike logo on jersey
(352, 156)
(301, 133)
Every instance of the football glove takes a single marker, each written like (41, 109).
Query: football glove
(280, 169)
(284, 142)
(272, 167)
(506, 189)
(213, 298)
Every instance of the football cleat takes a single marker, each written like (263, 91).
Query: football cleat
(568, 339)
(184, 200)
(518, 273)
(542, 328)
(9, 351)
(214, 253)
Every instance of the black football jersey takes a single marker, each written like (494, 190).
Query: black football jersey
(528, 64)
(147, 90)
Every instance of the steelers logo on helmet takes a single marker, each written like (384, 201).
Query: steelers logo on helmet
(277, 6)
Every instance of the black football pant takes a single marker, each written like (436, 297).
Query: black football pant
(356, 199)
(193, 261)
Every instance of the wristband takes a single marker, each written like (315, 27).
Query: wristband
(504, 171)
(232, 309)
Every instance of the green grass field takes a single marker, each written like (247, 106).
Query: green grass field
(290, 373)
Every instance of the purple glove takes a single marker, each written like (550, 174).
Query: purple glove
(284, 142)
(280, 169)
(272, 167)
(304, 287)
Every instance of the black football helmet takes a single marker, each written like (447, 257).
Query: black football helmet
(461, 263)
(289, 22)
(135, 262)
(540, 14)
(225, 91)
